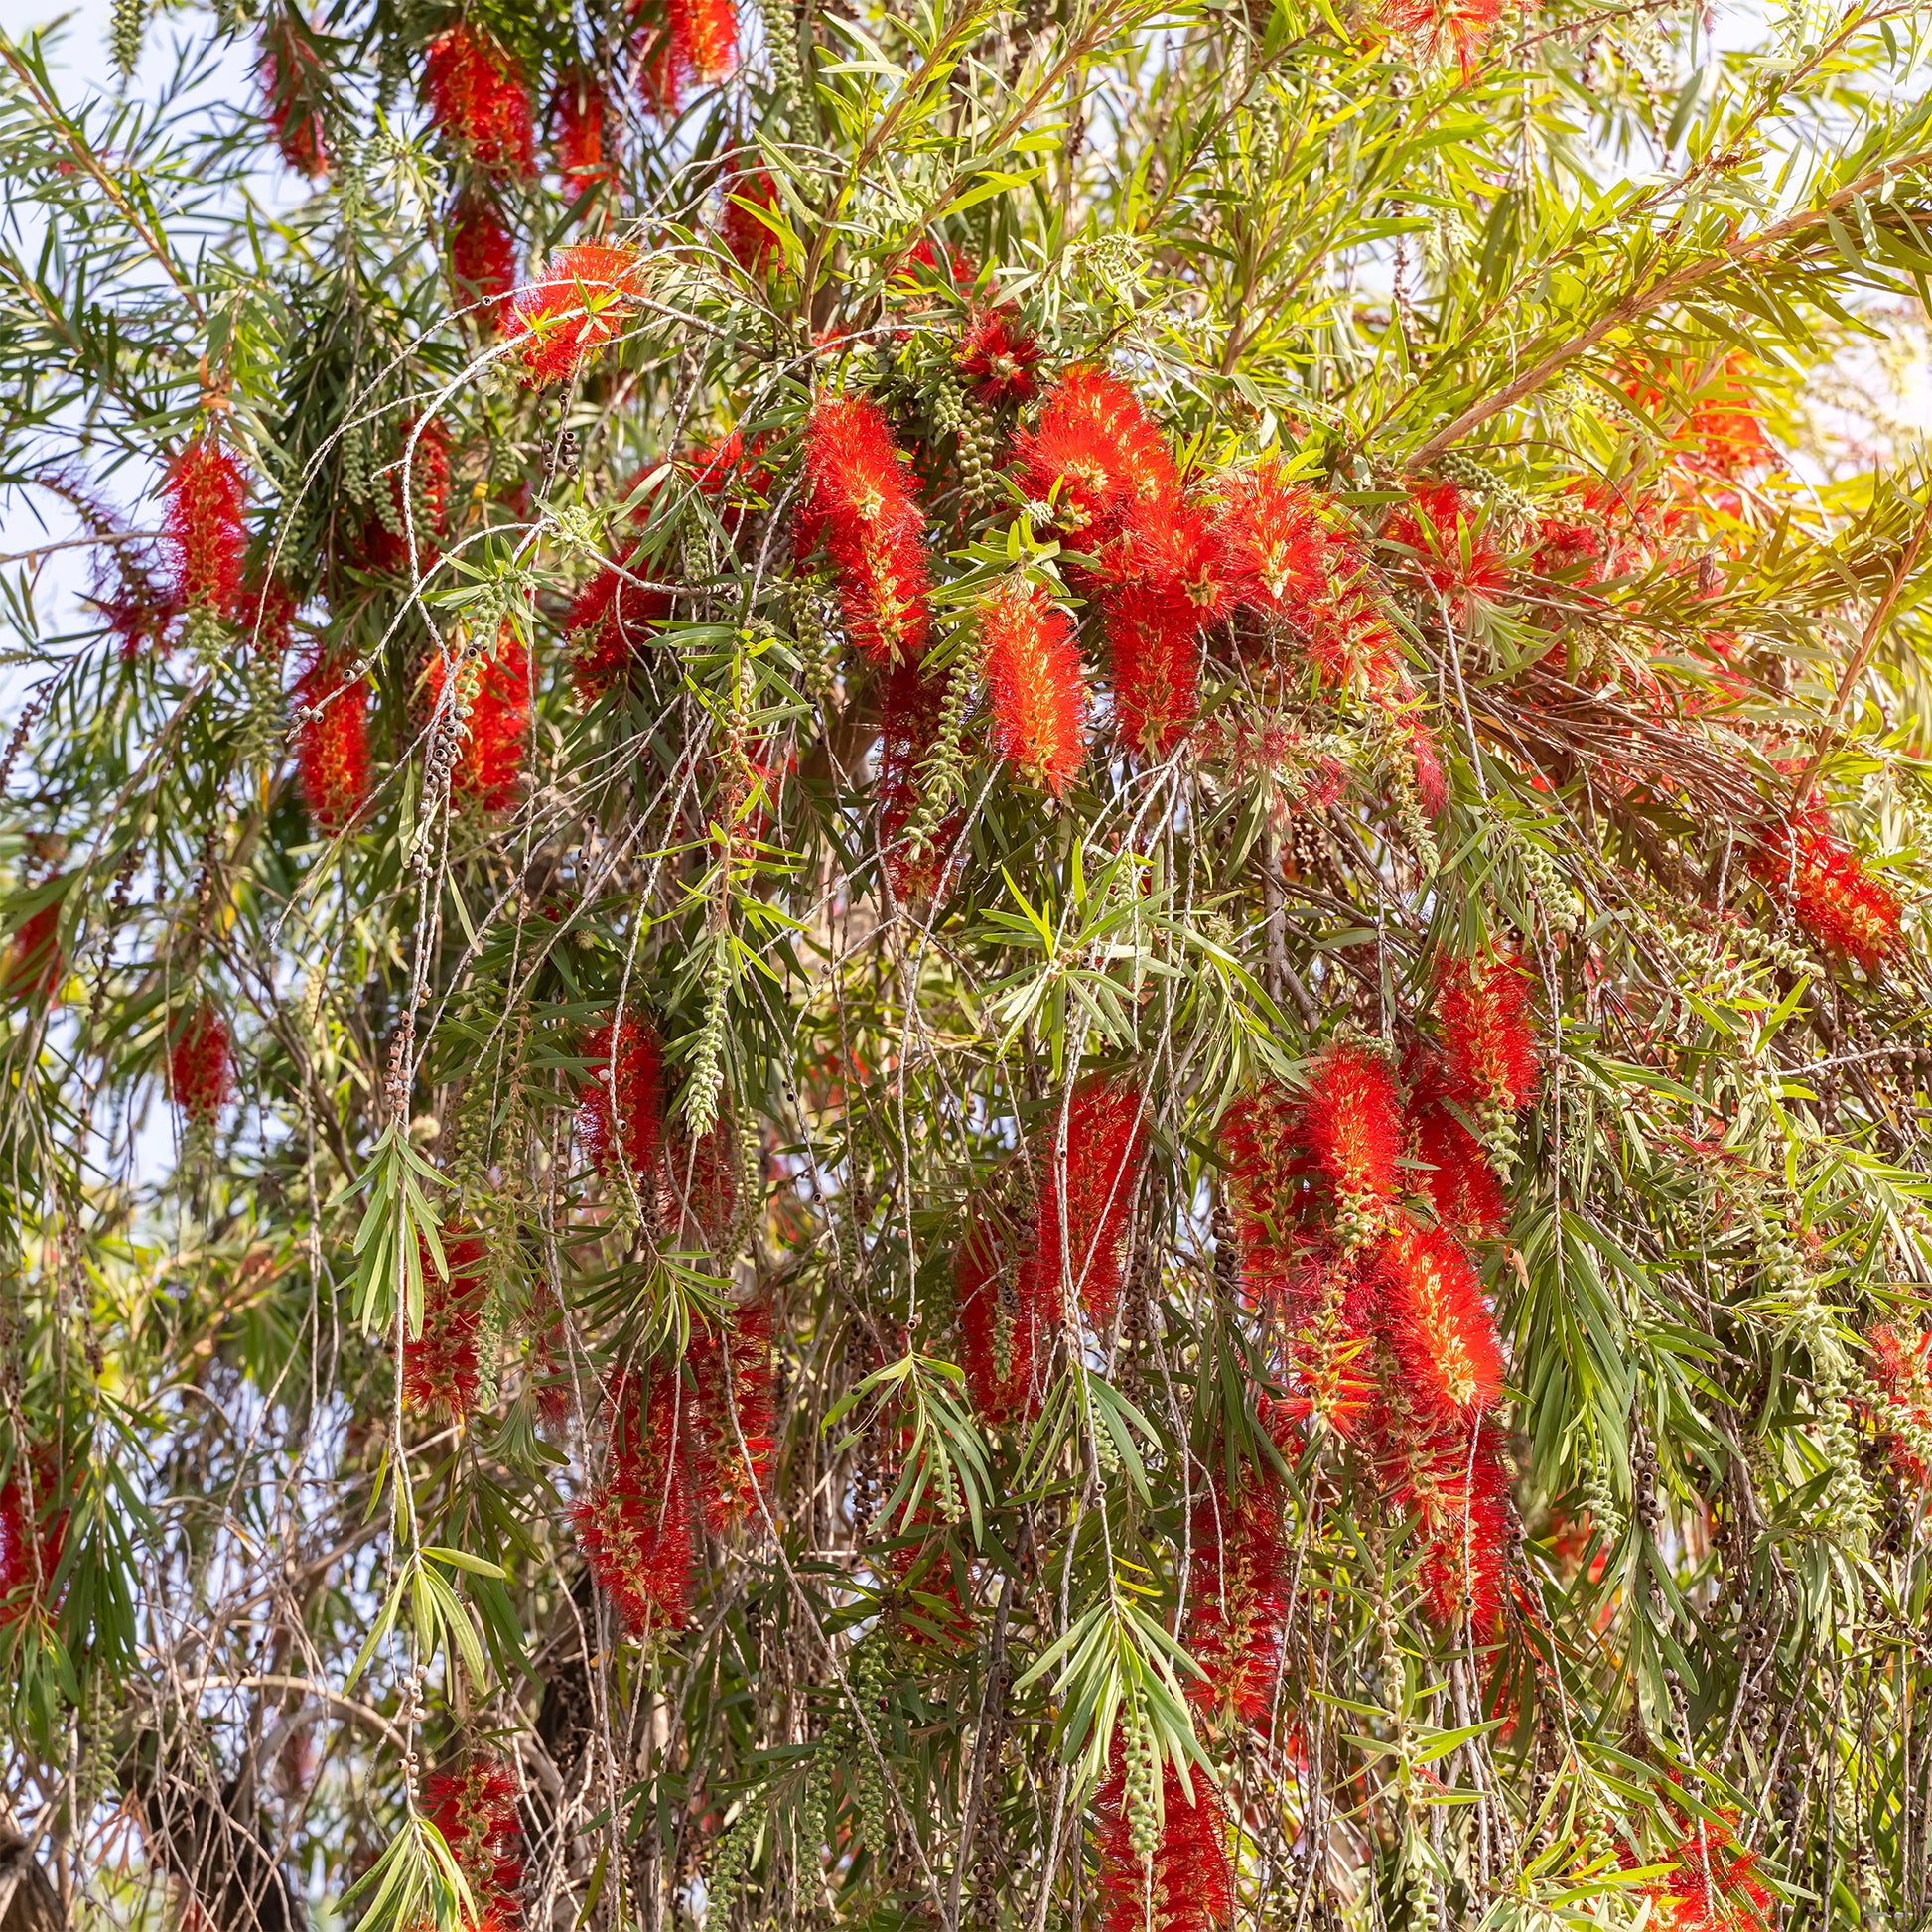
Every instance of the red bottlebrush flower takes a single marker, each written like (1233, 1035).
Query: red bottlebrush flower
(657, 71)
(729, 1478)
(752, 245)
(1713, 1888)
(472, 1803)
(1238, 1583)
(440, 1368)
(860, 506)
(1440, 528)
(1086, 1197)
(1189, 1884)
(1009, 1315)
(636, 1523)
(482, 258)
(1276, 545)
(418, 482)
(1154, 664)
(580, 303)
(294, 85)
(733, 477)
(1432, 782)
(997, 356)
(1093, 452)
(475, 97)
(1841, 907)
(928, 261)
(580, 111)
(1459, 1482)
(1351, 1123)
(265, 613)
(1273, 1186)
(1462, 1185)
(204, 492)
(1464, 22)
(1568, 550)
(1349, 640)
(133, 589)
(611, 621)
(1901, 1367)
(1040, 694)
(697, 1191)
(1436, 1322)
(33, 1536)
(199, 1077)
(704, 36)
(494, 692)
(35, 963)
(908, 723)
(621, 1109)
(332, 746)
(1488, 1042)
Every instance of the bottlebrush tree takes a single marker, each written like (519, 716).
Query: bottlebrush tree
(965, 966)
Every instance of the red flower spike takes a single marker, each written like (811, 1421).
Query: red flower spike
(199, 1074)
(1902, 1366)
(697, 1189)
(1087, 1200)
(439, 1367)
(1271, 1180)
(1438, 525)
(621, 1109)
(1488, 1044)
(1437, 1324)
(265, 615)
(580, 303)
(1432, 782)
(293, 83)
(729, 1479)
(1276, 545)
(1462, 1185)
(751, 244)
(1464, 22)
(1238, 1583)
(204, 492)
(1460, 1485)
(1098, 448)
(35, 964)
(932, 261)
(1713, 1888)
(637, 1525)
(579, 112)
(660, 78)
(332, 747)
(1843, 909)
(475, 97)
(908, 723)
(33, 1536)
(490, 763)
(704, 36)
(1189, 1884)
(472, 1803)
(610, 623)
(997, 356)
(1351, 1123)
(483, 260)
(1009, 1315)
(1040, 693)
(418, 482)
(860, 504)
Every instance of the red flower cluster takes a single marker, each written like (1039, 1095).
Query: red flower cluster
(204, 492)
(997, 356)
(1713, 1888)
(579, 303)
(1458, 1482)
(1086, 1197)
(1277, 544)
(35, 964)
(1351, 1123)
(929, 261)
(621, 1109)
(199, 1076)
(696, 41)
(1488, 1042)
(637, 1525)
(490, 764)
(610, 622)
(1462, 1185)
(1040, 693)
(1093, 452)
(472, 1804)
(1464, 22)
(1452, 556)
(1902, 1366)
(1007, 1318)
(482, 258)
(292, 80)
(909, 726)
(33, 1535)
(418, 482)
(580, 111)
(1190, 1885)
(860, 504)
(1238, 1582)
(440, 1367)
(752, 245)
(729, 1479)
(1437, 1324)
(1843, 908)
(477, 99)
(332, 747)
